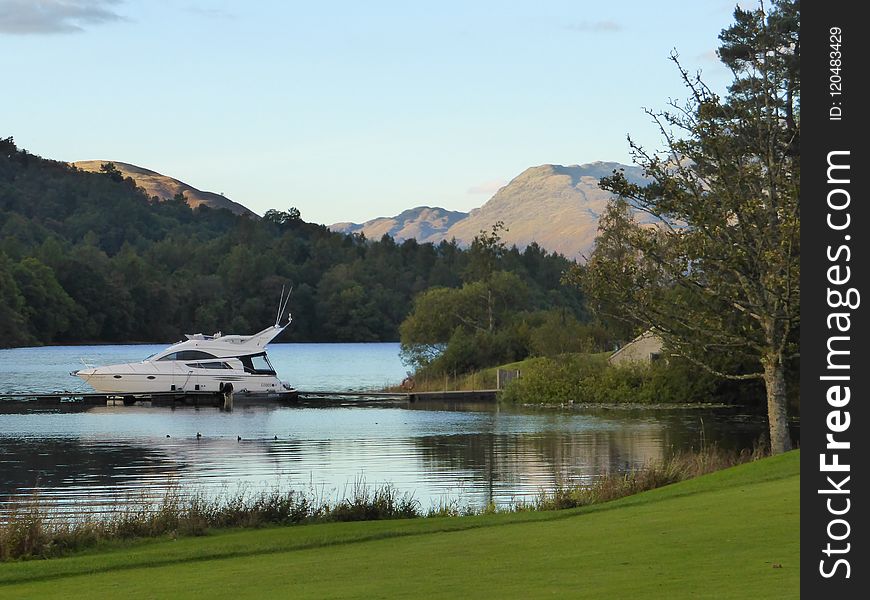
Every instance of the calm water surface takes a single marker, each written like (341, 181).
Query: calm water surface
(471, 454)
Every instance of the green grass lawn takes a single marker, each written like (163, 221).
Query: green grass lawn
(717, 536)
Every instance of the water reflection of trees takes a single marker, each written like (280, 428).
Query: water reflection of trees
(534, 461)
(29, 463)
(727, 428)
(68, 470)
(506, 464)
(497, 455)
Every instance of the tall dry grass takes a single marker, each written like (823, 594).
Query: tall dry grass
(679, 467)
(35, 530)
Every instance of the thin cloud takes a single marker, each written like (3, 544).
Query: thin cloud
(210, 13)
(711, 61)
(595, 27)
(36, 17)
(710, 56)
(487, 187)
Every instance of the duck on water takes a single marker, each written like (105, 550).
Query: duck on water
(199, 363)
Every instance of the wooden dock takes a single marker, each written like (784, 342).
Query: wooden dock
(454, 396)
(91, 399)
(317, 394)
(436, 396)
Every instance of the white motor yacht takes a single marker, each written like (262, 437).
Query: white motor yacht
(200, 363)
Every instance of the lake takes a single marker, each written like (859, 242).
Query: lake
(471, 454)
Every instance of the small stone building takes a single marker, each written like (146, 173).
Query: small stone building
(645, 348)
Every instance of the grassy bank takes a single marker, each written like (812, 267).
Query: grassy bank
(730, 534)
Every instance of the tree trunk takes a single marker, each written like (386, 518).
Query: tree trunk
(774, 382)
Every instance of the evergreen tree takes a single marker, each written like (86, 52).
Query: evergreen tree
(719, 276)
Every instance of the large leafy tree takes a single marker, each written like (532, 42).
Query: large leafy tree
(13, 324)
(478, 308)
(718, 276)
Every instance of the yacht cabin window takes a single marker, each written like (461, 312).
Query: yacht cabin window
(209, 365)
(258, 364)
(187, 355)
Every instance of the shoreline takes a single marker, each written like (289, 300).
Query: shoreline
(550, 553)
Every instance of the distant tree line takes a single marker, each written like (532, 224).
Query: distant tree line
(88, 257)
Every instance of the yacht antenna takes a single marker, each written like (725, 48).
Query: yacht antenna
(286, 302)
(280, 303)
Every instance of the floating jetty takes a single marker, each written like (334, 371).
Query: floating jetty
(438, 396)
(454, 396)
(197, 398)
(192, 398)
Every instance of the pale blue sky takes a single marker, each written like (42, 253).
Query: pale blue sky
(346, 110)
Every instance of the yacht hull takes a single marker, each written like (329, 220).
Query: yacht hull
(111, 381)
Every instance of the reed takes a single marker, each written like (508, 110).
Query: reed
(678, 467)
(366, 503)
(33, 529)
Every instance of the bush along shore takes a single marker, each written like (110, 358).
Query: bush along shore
(33, 530)
(585, 379)
(588, 379)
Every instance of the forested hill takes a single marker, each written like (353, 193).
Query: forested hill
(88, 257)
(163, 187)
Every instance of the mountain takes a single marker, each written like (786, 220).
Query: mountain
(556, 206)
(165, 187)
(424, 223)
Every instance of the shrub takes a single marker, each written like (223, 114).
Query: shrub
(556, 380)
(590, 379)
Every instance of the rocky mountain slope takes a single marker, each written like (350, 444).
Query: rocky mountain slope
(423, 223)
(165, 187)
